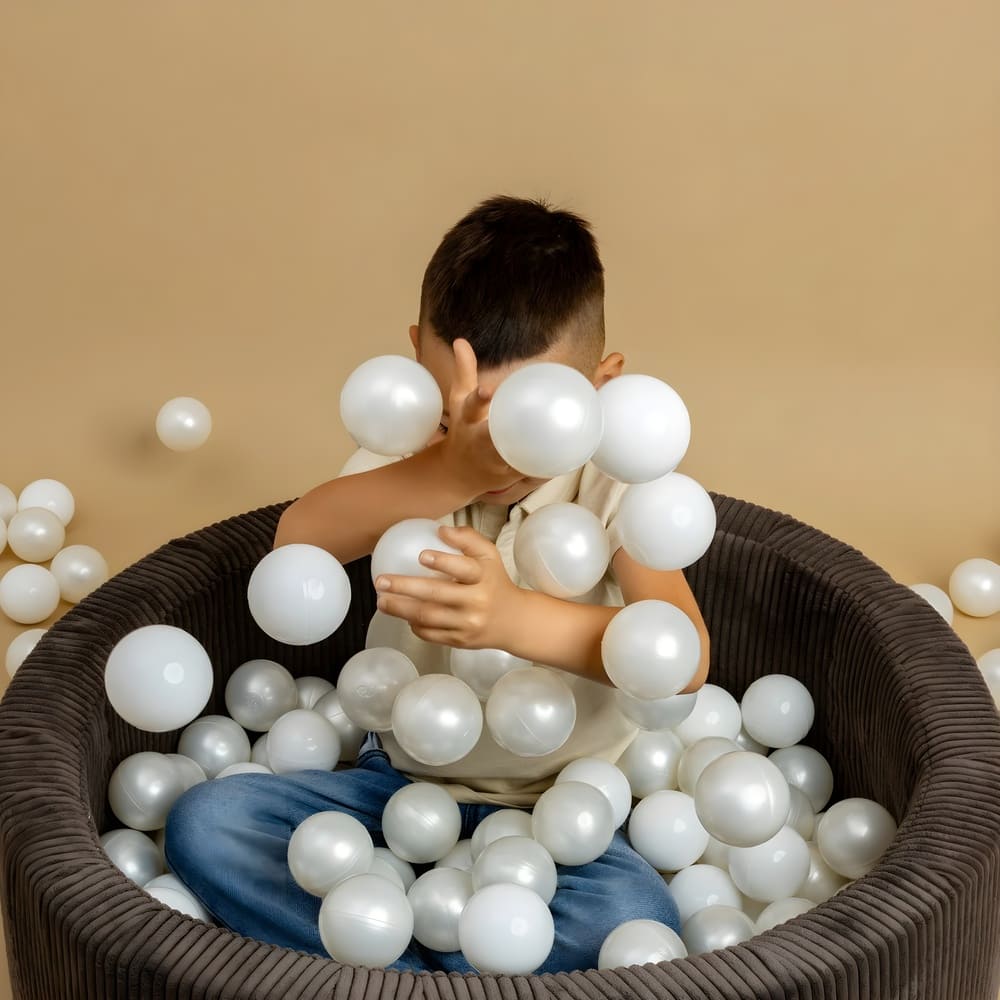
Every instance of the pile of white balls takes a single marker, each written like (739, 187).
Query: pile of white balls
(33, 524)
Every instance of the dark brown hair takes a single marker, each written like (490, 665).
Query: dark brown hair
(512, 277)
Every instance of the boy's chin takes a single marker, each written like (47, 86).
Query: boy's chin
(515, 492)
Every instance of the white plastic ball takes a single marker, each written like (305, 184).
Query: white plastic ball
(656, 713)
(79, 571)
(399, 547)
(243, 767)
(166, 880)
(806, 769)
(974, 587)
(638, 942)
(183, 423)
(437, 719)
(716, 927)
(502, 823)
(777, 710)
(299, 594)
(574, 822)
(142, 789)
(438, 898)
(651, 649)
(402, 868)
(666, 524)
(482, 668)
(191, 772)
(302, 740)
(158, 678)
(365, 920)
(35, 534)
(386, 630)
(562, 549)
(383, 869)
(369, 683)
(699, 885)
(351, 736)
(822, 882)
(715, 713)
(853, 834)
(29, 593)
(801, 815)
(664, 828)
(20, 646)
(50, 493)
(506, 930)
(647, 429)
(133, 853)
(361, 460)
(545, 419)
(421, 822)
(698, 756)
(715, 854)
(780, 911)
(747, 742)
(391, 405)
(937, 599)
(607, 778)
(531, 712)
(258, 692)
(460, 856)
(310, 690)
(650, 761)
(520, 861)
(774, 870)
(214, 742)
(8, 504)
(182, 901)
(3, 535)
(742, 799)
(989, 665)
(326, 848)
(258, 752)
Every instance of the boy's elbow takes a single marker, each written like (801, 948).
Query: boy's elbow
(287, 530)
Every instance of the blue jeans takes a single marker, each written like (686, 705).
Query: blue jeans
(228, 842)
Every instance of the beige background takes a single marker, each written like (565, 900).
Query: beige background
(796, 204)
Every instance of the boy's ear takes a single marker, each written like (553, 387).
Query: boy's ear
(415, 340)
(611, 367)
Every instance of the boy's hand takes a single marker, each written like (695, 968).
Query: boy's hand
(473, 610)
(467, 449)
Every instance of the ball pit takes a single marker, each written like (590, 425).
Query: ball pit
(902, 714)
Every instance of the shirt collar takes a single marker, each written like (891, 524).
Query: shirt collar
(560, 489)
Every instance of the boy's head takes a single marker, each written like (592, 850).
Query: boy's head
(521, 282)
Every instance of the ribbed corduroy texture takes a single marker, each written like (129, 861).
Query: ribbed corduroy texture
(902, 715)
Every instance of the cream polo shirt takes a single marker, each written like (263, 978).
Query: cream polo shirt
(489, 773)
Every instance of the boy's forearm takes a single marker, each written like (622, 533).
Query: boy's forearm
(347, 516)
(568, 635)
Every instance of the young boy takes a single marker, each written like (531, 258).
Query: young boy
(512, 282)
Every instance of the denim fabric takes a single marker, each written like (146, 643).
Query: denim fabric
(228, 842)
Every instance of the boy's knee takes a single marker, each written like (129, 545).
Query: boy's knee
(200, 816)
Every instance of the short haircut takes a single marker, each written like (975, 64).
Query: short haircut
(512, 277)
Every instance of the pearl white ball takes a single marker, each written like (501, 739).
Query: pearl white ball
(607, 778)
(974, 587)
(562, 549)
(158, 678)
(699, 885)
(531, 712)
(822, 882)
(133, 853)
(326, 848)
(243, 767)
(656, 713)
(351, 736)
(574, 822)
(183, 423)
(35, 534)
(79, 571)
(666, 524)
(853, 834)
(650, 761)
(742, 799)
(403, 869)
(299, 594)
(460, 857)
(214, 742)
(482, 668)
(309, 690)
(936, 598)
(773, 870)
(545, 419)
(989, 665)
(662, 812)
(716, 713)
(518, 860)
(437, 719)
(182, 901)
(50, 493)
(698, 756)
(780, 911)
(438, 898)
(369, 683)
(302, 740)
(638, 942)
(506, 930)
(391, 405)
(716, 927)
(142, 789)
(258, 693)
(651, 649)
(365, 920)
(398, 549)
(29, 593)
(8, 505)
(191, 772)
(808, 770)
(20, 646)
(777, 710)
(502, 823)
(421, 822)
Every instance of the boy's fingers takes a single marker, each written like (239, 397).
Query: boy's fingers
(467, 540)
(417, 612)
(476, 405)
(460, 568)
(422, 588)
(466, 375)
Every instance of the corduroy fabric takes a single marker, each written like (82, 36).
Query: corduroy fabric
(901, 713)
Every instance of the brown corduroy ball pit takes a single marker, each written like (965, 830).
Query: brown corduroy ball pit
(901, 713)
